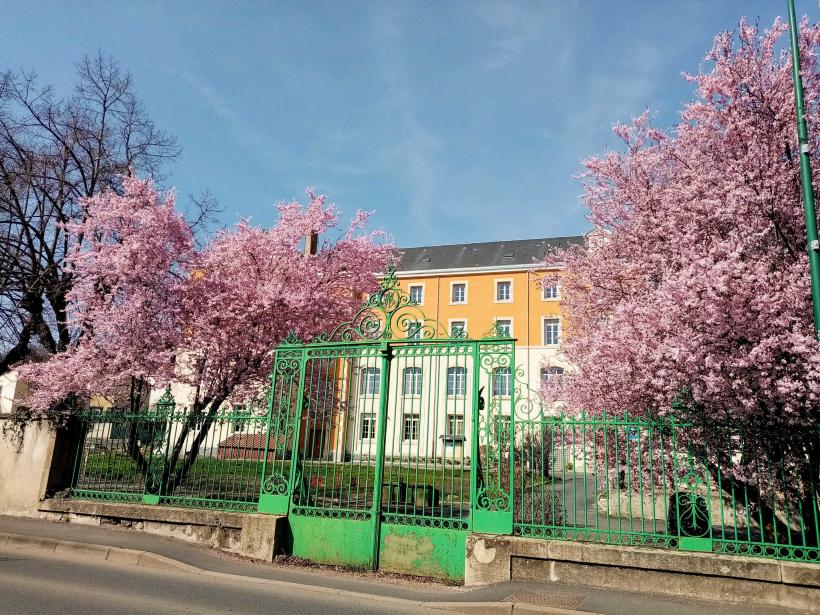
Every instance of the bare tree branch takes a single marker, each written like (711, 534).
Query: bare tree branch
(54, 153)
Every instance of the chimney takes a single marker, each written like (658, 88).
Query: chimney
(311, 243)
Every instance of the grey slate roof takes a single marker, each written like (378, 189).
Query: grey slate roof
(486, 254)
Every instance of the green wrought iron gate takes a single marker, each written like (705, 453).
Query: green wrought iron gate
(389, 440)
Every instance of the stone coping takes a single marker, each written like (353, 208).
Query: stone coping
(144, 512)
(479, 547)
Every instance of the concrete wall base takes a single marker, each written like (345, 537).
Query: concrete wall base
(251, 535)
(24, 469)
(493, 559)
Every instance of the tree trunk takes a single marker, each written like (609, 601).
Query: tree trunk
(173, 476)
(143, 465)
(190, 458)
(138, 390)
(19, 351)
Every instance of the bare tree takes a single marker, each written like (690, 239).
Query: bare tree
(202, 213)
(54, 152)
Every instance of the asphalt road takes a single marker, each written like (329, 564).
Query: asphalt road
(45, 584)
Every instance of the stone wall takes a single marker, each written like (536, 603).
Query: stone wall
(251, 535)
(707, 576)
(24, 469)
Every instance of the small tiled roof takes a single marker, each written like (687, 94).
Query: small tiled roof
(485, 254)
(245, 440)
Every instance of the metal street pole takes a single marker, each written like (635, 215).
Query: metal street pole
(805, 173)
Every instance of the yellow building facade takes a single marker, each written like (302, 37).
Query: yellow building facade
(481, 285)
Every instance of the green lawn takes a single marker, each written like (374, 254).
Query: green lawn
(116, 470)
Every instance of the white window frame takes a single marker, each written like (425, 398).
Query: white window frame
(557, 296)
(414, 416)
(466, 292)
(498, 282)
(544, 320)
(410, 288)
(512, 322)
(456, 394)
(510, 383)
(363, 389)
(418, 332)
(238, 425)
(550, 374)
(371, 420)
(414, 381)
(453, 419)
(452, 320)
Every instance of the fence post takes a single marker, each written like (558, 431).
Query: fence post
(493, 502)
(293, 472)
(477, 405)
(165, 405)
(384, 397)
(269, 500)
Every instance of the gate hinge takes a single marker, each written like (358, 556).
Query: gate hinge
(814, 245)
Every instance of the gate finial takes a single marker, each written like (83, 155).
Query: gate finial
(387, 312)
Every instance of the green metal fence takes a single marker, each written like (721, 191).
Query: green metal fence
(610, 479)
(623, 480)
(392, 434)
(166, 455)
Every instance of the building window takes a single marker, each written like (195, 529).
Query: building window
(411, 427)
(238, 424)
(550, 291)
(503, 290)
(455, 425)
(417, 294)
(551, 373)
(552, 331)
(369, 382)
(414, 330)
(412, 381)
(502, 381)
(503, 327)
(368, 426)
(456, 381)
(458, 328)
(458, 292)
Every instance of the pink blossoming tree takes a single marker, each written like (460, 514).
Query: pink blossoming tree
(694, 298)
(147, 306)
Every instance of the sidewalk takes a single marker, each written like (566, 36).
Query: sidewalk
(377, 584)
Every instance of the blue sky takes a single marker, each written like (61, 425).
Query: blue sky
(455, 121)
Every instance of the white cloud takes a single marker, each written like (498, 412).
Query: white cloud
(212, 98)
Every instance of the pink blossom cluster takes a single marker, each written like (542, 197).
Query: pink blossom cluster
(697, 285)
(147, 304)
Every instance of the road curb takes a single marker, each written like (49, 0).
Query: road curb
(500, 608)
(147, 559)
(117, 555)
